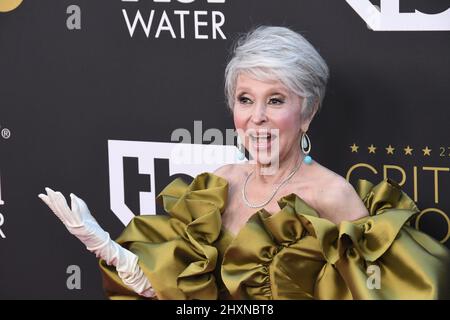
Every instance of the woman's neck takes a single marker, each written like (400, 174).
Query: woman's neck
(273, 173)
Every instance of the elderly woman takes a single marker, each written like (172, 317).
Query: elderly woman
(279, 227)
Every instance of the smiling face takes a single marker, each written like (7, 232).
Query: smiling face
(268, 117)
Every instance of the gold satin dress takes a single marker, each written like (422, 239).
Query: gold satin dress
(292, 254)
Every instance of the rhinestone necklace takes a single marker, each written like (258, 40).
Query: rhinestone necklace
(262, 204)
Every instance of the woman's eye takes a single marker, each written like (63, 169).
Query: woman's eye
(276, 101)
(244, 100)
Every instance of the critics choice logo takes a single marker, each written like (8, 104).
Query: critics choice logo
(422, 170)
(174, 19)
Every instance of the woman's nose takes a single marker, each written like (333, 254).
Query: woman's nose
(259, 113)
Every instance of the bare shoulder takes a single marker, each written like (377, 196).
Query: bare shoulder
(336, 198)
(225, 170)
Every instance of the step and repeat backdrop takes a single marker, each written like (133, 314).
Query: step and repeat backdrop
(103, 98)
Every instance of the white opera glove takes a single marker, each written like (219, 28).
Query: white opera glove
(80, 222)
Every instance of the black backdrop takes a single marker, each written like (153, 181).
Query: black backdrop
(65, 93)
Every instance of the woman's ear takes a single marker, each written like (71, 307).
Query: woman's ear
(306, 120)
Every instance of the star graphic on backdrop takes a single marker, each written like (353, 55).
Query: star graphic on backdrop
(372, 149)
(390, 150)
(354, 147)
(426, 151)
(408, 150)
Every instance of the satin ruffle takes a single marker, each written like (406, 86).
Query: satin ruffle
(292, 254)
(178, 253)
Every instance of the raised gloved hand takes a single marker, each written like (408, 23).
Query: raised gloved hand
(80, 222)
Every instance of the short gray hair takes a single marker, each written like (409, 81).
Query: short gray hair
(270, 52)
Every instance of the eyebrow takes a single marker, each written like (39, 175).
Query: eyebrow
(245, 90)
